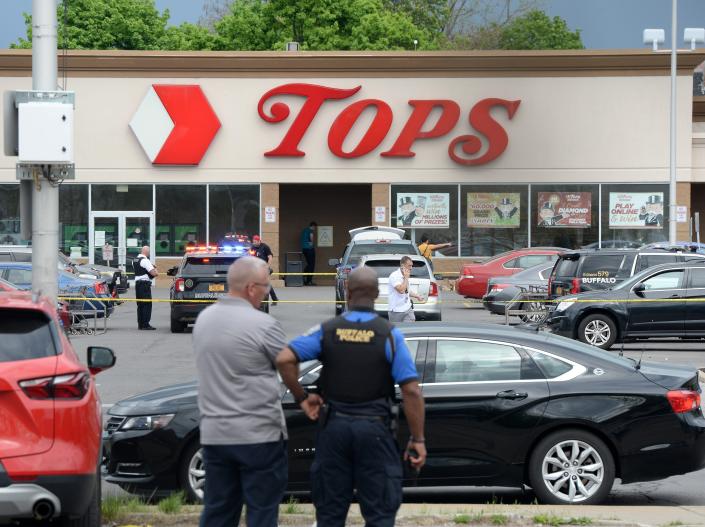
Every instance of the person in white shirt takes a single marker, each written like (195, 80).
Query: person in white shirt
(398, 296)
(144, 272)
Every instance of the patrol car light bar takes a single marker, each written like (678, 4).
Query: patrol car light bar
(231, 249)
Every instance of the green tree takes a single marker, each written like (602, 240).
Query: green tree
(536, 30)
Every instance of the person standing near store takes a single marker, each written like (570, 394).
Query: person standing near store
(263, 252)
(426, 248)
(363, 356)
(309, 249)
(144, 272)
(242, 427)
(398, 295)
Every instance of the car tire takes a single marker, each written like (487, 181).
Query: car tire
(177, 326)
(585, 455)
(535, 313)
(92, 517)
(598, 330)
(192, 473)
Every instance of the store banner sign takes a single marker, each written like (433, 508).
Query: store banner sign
(636, 210)
(493, 210)
(564, 209)
(423, 210)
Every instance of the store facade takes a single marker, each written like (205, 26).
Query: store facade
(490, 151)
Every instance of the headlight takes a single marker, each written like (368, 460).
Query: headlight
(147, 422)
(565, 304)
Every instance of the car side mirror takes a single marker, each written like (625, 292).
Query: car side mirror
(639, 289)
(334, 262)
(100, 359)
(172, 271)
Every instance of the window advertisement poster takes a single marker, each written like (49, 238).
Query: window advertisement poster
(636, 210)
(427, 210)
(493, 210)
(564, 209)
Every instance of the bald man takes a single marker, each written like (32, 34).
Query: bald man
(363, 356)
(242, 426)
(144, 271)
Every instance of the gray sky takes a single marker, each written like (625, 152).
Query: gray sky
(603, 23)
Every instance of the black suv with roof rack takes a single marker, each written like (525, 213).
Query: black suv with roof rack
(201, 276)
(597, 269)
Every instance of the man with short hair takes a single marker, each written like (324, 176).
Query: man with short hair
(308, 248)
(398, 295)
(144, 271)
(262, 251)
(242, 426)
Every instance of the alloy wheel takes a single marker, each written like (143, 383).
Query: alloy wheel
(197, 474)
(572, 471)
(597, 332)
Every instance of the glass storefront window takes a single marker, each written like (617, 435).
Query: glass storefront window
(180, 218)
(73, 220)
(430, 210)
(233, 209)
(494, 219)
(121, 197)
(10, 233)
(564, 216)
(634, 215)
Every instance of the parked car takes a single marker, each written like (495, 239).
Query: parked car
(472, 282)
(692, 247)
(365, 241)
(662, 301)
(502, 290)
(20, 274)
(422, 282)
(62, 307)
(580, 271)
(504, 407)
(613, 244)
(116, 280)
(50, 450)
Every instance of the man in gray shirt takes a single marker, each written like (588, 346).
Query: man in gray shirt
(243, 431)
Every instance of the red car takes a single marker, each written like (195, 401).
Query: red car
(473, 278)
(62, 307)
(50, 416)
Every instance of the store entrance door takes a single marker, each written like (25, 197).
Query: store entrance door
(115, 238)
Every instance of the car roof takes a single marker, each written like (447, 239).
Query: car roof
(375, 232)
(414, 257)
(24, 300)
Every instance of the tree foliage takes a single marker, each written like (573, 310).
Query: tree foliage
(536, 30)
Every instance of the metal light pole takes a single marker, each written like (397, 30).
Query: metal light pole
(673, 187)
(45, 196)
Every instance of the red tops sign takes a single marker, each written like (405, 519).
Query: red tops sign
(463, 149)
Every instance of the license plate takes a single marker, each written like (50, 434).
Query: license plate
(216, 287)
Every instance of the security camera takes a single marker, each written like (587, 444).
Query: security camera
(654, 37)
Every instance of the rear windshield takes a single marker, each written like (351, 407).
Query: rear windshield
(25, 335)
(602, 266)
(207, 265)
(363, 249)
(565, 268)
(386, 267)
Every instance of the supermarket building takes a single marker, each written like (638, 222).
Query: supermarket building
(487, 150)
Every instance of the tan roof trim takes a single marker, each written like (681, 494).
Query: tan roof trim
(564, 63)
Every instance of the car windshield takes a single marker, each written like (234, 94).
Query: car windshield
(364, 249)
(587, 349)
(386, 267)
(533, 273)
(207, 265)
(25, 334)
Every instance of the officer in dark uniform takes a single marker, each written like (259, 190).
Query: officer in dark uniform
(363, 356)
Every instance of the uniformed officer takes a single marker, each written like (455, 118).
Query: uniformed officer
(363, 356)
(144, 272)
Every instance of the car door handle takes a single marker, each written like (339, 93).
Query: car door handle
(512, 394)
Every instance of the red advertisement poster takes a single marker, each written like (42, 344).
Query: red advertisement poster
(564, 209)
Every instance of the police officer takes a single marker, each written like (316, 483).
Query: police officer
(144, 272)
(363, 356)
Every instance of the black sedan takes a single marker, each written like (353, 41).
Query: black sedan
(504, 407)
(662, 301)
(503, 289)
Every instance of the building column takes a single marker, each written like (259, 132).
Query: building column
(380, 198)
(683, 199)
(269, 197)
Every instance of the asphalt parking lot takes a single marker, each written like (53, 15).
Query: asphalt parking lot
(149, 359)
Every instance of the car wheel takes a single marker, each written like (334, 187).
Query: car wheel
(192, 473)
(177, 326)
(92, 516)
(534, 313)
(598, 330)
(571, 467)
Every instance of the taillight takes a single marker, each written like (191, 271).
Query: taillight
(498, 287)
(434, 289)
(99, 288)
(575, 286)
(70, 386)
(683, 401)
(179, 285)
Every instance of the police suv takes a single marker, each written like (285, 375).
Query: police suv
(201, 277)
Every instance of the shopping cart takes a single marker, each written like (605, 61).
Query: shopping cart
(85, 314)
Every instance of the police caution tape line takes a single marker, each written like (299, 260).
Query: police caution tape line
(466, 301)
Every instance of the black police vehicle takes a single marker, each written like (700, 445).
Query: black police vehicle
(202, 276)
